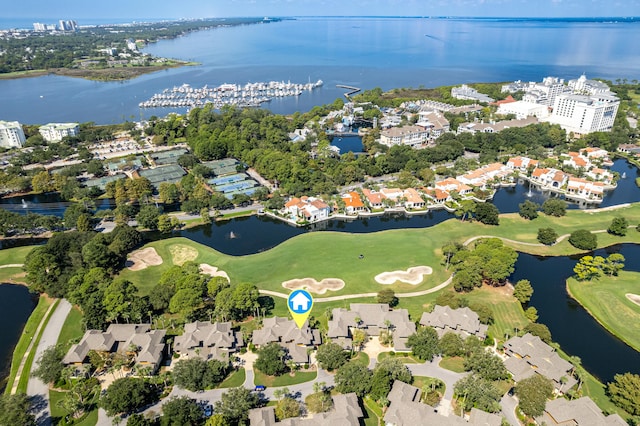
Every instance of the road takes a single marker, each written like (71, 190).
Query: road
(432, 369)
(508, 404)
(36, 387)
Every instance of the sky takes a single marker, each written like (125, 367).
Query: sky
(172, 9)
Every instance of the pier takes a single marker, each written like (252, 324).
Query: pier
(352, 90)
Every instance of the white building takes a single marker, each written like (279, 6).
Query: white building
(585, 114)
(585, 86)
(522, 109)
(413, 136)
(469, 93)
(11, 134)
(54, 132)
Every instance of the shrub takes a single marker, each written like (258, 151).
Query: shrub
(583, 240)
(547, 236)
(619, 226)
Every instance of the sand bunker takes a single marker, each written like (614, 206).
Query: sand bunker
(411, 276)
(309, 284)
(205, 268)
(141, 259)
(181, 253)
(634, 298)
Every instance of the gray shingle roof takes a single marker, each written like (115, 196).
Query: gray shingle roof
(207, 340)
(579, 412)
(462, 321)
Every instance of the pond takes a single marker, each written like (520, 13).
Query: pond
(16, 304)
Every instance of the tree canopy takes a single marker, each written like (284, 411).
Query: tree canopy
(126, 395)
(625, 392)
(353, 377)
(424, 343)
(533, 393)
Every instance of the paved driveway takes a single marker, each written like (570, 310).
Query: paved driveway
(36, 387)
(432, 369)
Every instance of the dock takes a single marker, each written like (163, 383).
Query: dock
(351, 90)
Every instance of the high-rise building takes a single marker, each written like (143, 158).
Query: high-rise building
(585, 114)
(67, 25)
(11, 134)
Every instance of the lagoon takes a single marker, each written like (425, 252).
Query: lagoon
(361, 52)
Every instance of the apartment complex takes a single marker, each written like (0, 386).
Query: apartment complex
(55, 132)
(11, 134)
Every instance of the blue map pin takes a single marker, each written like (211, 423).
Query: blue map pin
(300, 303)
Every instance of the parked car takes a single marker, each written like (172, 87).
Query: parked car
(260, 388)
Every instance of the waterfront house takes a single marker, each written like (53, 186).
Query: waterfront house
(576, 160)
(374, 198)
(549, 177)
(353, 203)
(208, 341)
(521, 164)
(582, 188)
(294, 340)
(600, 175)
(451, 184)
(462, 321)
(393, 194)
(578, 412)
(529, 355)
(437, 195)
(484, 175)
(373, 318)
(309, 209)
(346, 411)
(412, 198)
(138, 341)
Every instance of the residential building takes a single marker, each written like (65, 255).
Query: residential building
(577, 161)
(434, 122)
(353, 203)
(529, 355)
(469, 93)
(54, 132)
(578, 412)
(374, 317)
(521, 164)
(582, 188)
(146, 346)
(451, 184)
(296, 341)
(462, 321)
(205, 340)
(406, 409)
(523, 109)
(437, 195)
(346, 411)
(393, 194)
(549, 177)
(414, 136)
(484, 175)
(495, 126)
(309, 209)
(412, 199)
(584, 86)
(595, 153)
(583, 114)
(11, 134)
(600, 175)
(374, 198)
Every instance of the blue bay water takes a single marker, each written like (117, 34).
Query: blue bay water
(363, 52)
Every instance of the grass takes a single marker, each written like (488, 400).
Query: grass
(72, 329)
(23, 380)
(373, 412)
(606, 301)
(234, 380)
(507, 311)
(58, 413)
(403, 357)
(453, 363)
(335, 254)
(27, 335)
(361, 358)
(284, 380)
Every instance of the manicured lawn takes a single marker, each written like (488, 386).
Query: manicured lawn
(606, 301)
(422, 382)
(507, 311)
(58, 413)
(405, 358)
(335, 255)
(284, 380)
(27, 335)
(453, 363)
(235, 379)
(373, 412)
(72, 329)
(14, 255)
(361, 358)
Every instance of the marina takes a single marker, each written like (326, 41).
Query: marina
(249, 95)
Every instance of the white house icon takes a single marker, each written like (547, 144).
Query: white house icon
(300, 302)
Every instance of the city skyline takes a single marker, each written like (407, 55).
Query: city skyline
(120, 10)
